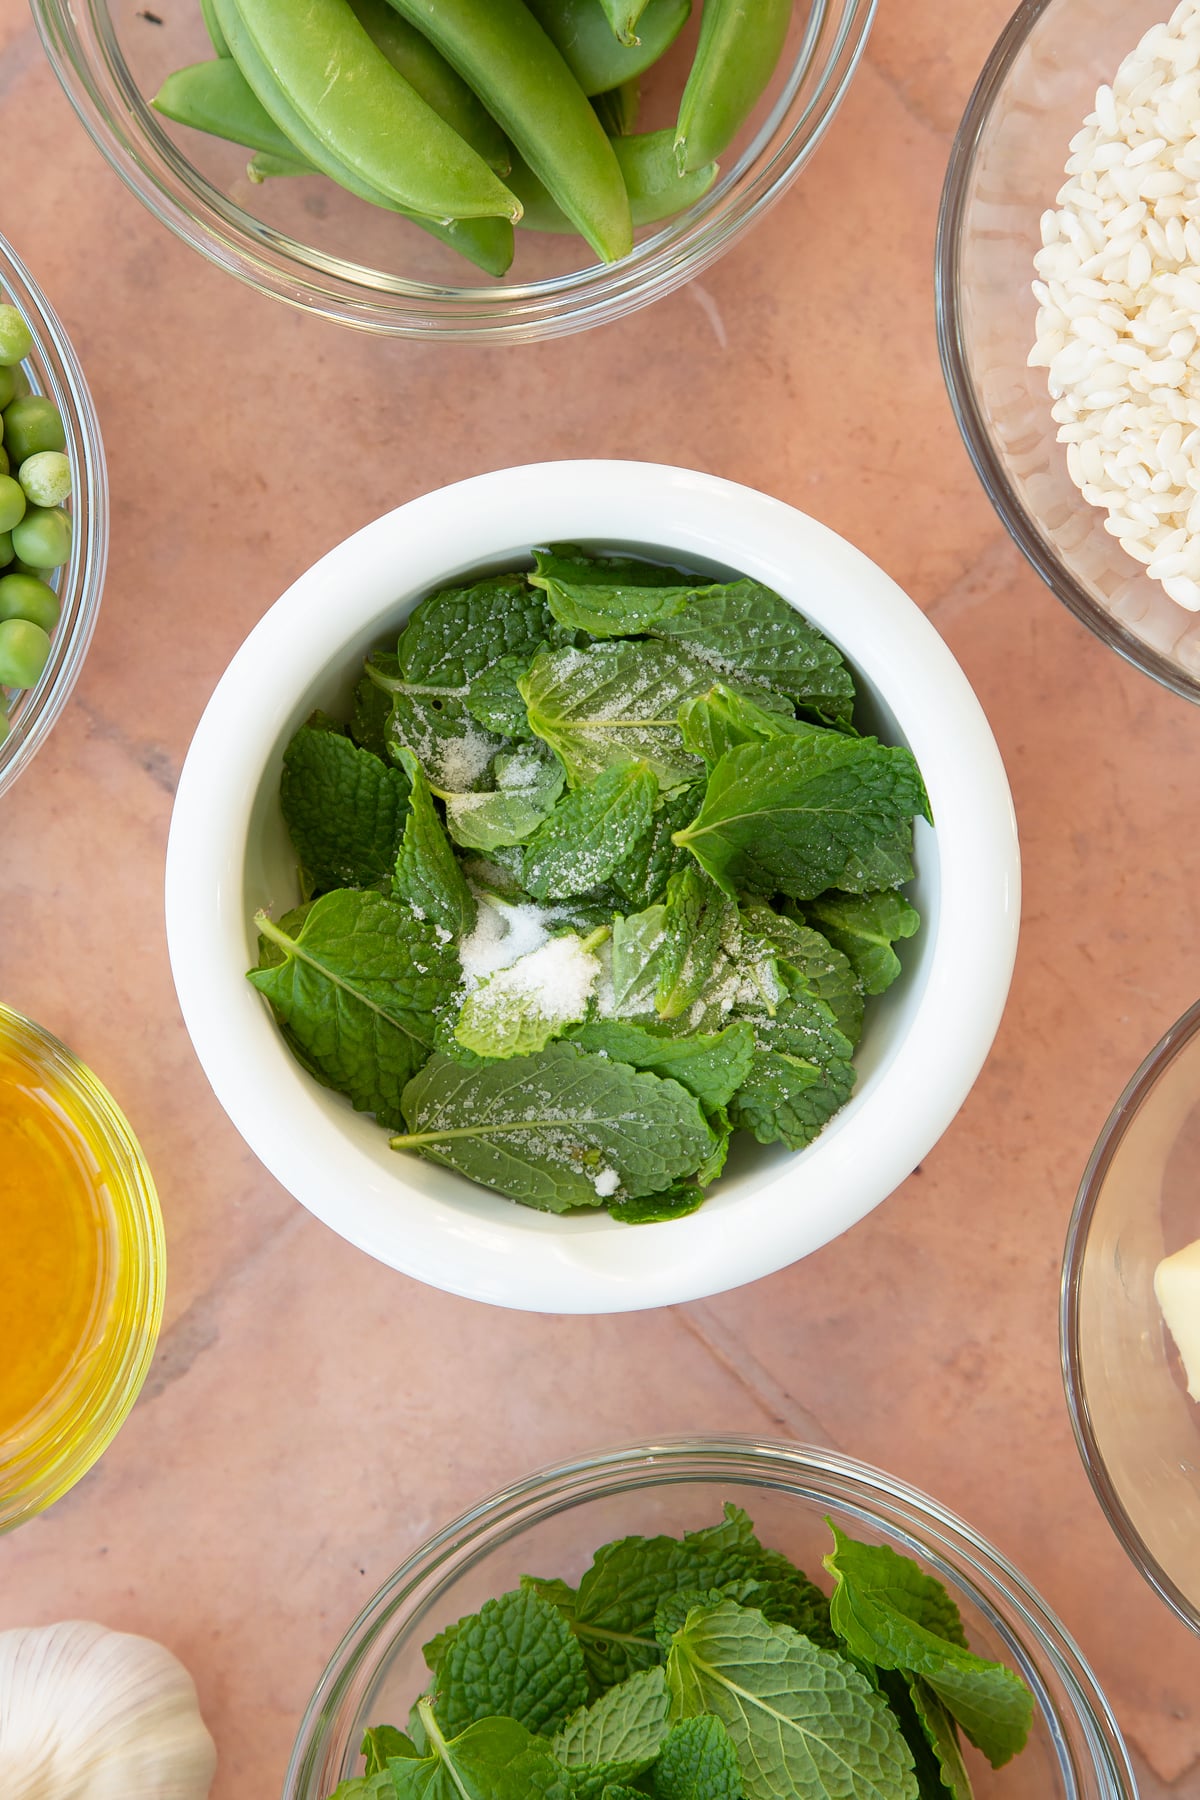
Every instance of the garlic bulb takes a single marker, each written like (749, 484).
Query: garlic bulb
(92, 1714)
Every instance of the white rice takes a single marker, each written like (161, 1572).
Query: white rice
(1118, 292)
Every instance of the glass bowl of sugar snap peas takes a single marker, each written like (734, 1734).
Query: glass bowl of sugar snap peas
(53, 517)
(479, 169)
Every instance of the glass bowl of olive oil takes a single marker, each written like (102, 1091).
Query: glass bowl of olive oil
(81, 1274)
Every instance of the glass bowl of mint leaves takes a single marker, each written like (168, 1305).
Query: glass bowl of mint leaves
(629, 875)
(708, 1619)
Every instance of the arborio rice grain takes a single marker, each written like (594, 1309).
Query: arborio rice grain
(1118, 325)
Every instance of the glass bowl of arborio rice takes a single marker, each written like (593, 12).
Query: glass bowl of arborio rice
(1068, 291)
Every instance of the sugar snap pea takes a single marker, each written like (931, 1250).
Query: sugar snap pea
(623, 16)
(373, 121)
(740, 44)
(499, 48)
(617, 110)
(208, 13)
(585, 41)
(265, 166)
(656, 188)
(216, 97)
(488, 242)
(410, 52)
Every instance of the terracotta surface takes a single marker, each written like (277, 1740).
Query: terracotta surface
(310, 1416)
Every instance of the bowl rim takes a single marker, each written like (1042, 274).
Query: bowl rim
(501, 1257)
(138, 1241)
(1137, 1090)
(964, 402)
(96, 81)
(80, 585)
(900, 1510)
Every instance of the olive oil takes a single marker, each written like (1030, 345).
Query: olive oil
(56, 1279)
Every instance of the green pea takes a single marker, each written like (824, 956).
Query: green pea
(16, 339)
(25, 597)
(12, 503)
(735, 58)
(8, 387)
(32, 423)
(46, 478)
(24, 653)
(42, 540)
(6, 549)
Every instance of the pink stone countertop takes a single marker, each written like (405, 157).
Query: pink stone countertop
(310, 1416)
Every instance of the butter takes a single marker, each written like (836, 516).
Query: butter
(1177, 1287)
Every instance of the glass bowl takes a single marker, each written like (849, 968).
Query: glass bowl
(53, 369)
(550, 1523)
(1137, 1431)
(1005, 170)
(42, 1085)
(318, 248)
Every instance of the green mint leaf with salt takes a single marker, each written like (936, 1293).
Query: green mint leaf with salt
(495, 1759)
(711, 1065)
(801, 1073)
(888, 1612)
(804, 1723)
(493, 699)
(427, 877)
(641, 877)
(615, 703)
(675, 1202)
(457, 633)
(556, 1130)
(749, 634)
(344, 809)
(452, 747)
(519, 1009)
(817, 812)
(634, 960)
(699, 924)
(528, 782)
(824, 972)
(723, 719)
(608, 596)
(356, 981)
(371, 712)
(515, 1657)
(698, 1761)
(589, 832)
(616, 1738)
(864, 928)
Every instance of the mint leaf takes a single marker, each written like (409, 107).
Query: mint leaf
(457, 633)
(372, 709)
(641, 877)
(818, 812)
(519, 1009)
(515, 1656)
(777, 1590)
(382, 1742)
(698, 1761)
(825, 973)
(675, 1202)
(589, 832)
(427, 877)
(496, 1759)
(748, 631)
(634, 959)
(607, 596)
(723, 719)
(356, 987)
(492, 696)
(864, 927)
(614, 1609)
(931, 1736)
(344, 809)
(888, 1612)
(617, 1738)
(528, 782)
(555, 1130)
(710, 1065)
(699, 922)
(804, 1722)
(801, 1073)
(615, 703)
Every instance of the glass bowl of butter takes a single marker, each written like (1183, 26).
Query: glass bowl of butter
(1130, 1318)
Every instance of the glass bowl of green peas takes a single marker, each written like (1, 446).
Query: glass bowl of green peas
(636, 139)
(53, 517)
